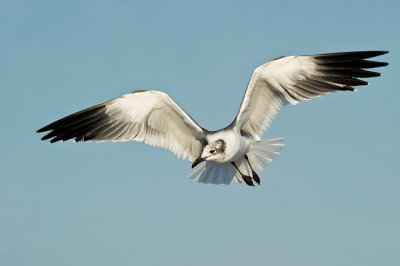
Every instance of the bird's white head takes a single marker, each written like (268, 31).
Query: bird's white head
(211, 152)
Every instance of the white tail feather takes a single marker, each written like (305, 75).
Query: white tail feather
(260, 154)
(216, 173)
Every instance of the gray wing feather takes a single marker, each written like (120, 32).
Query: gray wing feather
(296, 78)
(146, 116)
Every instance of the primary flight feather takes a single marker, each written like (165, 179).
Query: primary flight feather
(235, 153)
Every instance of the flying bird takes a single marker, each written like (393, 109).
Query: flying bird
(236, 153)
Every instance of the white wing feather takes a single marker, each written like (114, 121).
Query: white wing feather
(295, 78)
(146, 116)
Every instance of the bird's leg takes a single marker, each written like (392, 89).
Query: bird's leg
(254, 174)
(246, 178)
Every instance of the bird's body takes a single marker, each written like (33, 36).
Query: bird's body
(236, 153)
(236, 145)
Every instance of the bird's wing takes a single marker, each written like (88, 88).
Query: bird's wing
(146, 116)
(295, 78)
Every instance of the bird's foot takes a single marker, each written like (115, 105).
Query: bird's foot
(247, 180)
(256, 177)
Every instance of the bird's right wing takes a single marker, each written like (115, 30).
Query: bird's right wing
(296, 78)
(145, 116)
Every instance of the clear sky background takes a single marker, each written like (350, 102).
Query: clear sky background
(330, 198)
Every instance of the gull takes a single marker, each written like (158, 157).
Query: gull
(236, 153)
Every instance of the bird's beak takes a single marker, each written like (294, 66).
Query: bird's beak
(197, 161)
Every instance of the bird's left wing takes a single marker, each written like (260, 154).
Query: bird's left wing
(295, 78)
(145, 116)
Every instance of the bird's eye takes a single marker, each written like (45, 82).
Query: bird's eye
(212, 151)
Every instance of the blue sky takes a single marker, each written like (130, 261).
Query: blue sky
(330, 198)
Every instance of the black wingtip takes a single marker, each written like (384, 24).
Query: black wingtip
(375, 53)
(347, 56)
(40, 130)
(349, 88)
(54, 140)
(76, 123)
(383, 64)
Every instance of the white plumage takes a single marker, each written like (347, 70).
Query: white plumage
(235, 153)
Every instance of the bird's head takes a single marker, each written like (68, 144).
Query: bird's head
(211, 152)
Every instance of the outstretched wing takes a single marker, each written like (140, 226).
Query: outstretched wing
(295, 78)
(146, 116)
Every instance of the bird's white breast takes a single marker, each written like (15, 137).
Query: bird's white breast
(236, 145)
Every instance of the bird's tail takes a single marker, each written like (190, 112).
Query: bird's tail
(216, 173)
(260, 154)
